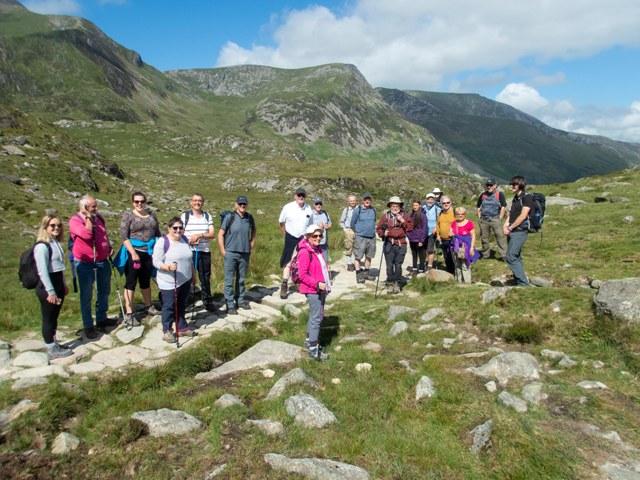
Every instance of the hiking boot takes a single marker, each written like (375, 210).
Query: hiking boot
(284, 289)
(360, 276)
(232, 311)
(58, 351)
(91, 333)
(371, 276)
(395, 287)
(187, 332)
(316, 353)
(351, 267)
(244, 305)
(169, 337)
(152, 310)
(106, 324)
(306, 343)
(130, 320)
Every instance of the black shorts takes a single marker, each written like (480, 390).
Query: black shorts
(142, 276)
(431, 244)
(290, 243)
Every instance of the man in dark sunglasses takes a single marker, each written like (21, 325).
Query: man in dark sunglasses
(517, 229)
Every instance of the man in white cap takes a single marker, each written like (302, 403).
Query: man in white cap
(432, 211)
(392, 228)
(437, 193)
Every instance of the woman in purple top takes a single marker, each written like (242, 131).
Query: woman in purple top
(418, 237)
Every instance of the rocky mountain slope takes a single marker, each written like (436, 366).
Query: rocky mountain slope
(493, 137)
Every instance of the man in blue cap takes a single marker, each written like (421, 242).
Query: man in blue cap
(236, 239)
(492, 208)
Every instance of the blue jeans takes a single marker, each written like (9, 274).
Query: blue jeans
(88, 273)
(514, 256)
(235, 267)
(169, 304)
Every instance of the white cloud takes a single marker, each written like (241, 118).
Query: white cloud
(417, 43)
(53, 7)
(617, 123)
(523, 97)
(112, 2)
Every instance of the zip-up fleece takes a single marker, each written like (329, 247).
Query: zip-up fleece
(397, 232)
(84, 240)
(309, 268)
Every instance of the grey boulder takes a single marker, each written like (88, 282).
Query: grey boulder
(619, 299)
(316, 468)
(293, 377)
(512, 401)
(508, 365)
(64, 443)
(309, 412)
(167, 422)
(396, 310)
(269, 427)
(481, 436)
(398, 328)
(227, 400)
(425, 388)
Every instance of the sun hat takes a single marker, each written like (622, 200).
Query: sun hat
(436, 190)
(430, 195)
(311, 229)
(395, 199)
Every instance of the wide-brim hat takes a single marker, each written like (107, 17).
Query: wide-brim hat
(430, 195)
(436, 190)
(395, 199)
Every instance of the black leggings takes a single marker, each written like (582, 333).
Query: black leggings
(418, 254)
(142, 276)
(50, 311)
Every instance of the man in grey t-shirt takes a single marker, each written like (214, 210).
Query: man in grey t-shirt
(236, 239)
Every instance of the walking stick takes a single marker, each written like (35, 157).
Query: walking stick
(119, 295)
(193, 287)
(175, 304)
(384, 241)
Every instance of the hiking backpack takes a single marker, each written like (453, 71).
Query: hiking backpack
(187, 214)
(536, 214)
(28, 271)
(225, 213)
(489, 209)
(294, 268)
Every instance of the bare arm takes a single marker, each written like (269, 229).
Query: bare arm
(221, 242)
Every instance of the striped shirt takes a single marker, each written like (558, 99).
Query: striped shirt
(196, 226)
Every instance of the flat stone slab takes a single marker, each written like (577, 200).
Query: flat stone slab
(129, 335)
(23, 383)
(28, 344)
(309, 412)
(398, 328)
(431, 314)
(481, 436)
(293, 377)
(508, 365)
(563, 201)
(592, 385)
(86, 368)
(396, 310)
(121, 356)
(533, 393)
(164, 422)
(493, 294)
(262, 354)
(31, 360)
(316, 468)
(46, 371)
(512, 401)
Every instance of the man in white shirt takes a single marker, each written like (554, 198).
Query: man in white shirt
(294, 219)
(198, 228)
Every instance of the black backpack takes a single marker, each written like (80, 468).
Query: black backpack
(187, 214)
(27, 271)
(225, 213)
(536, 214)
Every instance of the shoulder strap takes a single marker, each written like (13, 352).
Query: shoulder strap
(166, 244)
(187, 214)
(497, 193)
(206, 217)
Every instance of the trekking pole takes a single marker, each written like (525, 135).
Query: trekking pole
(193, 286)
(175, 304)
(119, 295)
(384, 241)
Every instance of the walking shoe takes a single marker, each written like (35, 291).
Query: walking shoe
(232, 311)
(371, 276)
(316, 353)
(187, 332)
(306, 343)
(351, 267)
(152, 310)
(91, 333)
(106, 324)
(395, 288)
(244, 305)
(169, 337)
(360, 276)
(284, 289)
(58, 352)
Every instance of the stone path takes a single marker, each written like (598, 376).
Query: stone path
(24, 361)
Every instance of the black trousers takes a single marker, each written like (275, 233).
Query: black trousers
(450, 265)
(50, 312)
(290, 243)
(394, 256)
(142, 275)
(418, 254)
(202, 262)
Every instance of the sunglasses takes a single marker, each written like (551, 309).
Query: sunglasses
(139, 202)
(301, 195)
(242, 204)
(55, 225)
(317, 235)
(446, 203)
(177, 228)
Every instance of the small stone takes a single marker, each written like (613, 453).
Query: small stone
(481, 436)
(219, 470)
(269, 427)
(268, 373)
(363, 367)
(126, 335)
(430, 314)
(425, 388)
(556, 306)
(398, 328)
(293, 377)
(167, 422)
(491, 386)
(13, 150)
(595, 283)
(396, 310)
(493, 294)
(336, 381)
(628, 219)
(512, 401)
(407, 366)
(372, 347)
(508, 365)
(360, 337)
(315, 468)
(337, 348)
(552, 354)
(533, 394)
(227, 400)
(597, 364)
(439, 276)
(309, 412)
(64, 443)
(567, 362)
(592, 385)
(448, 342)
(541, 282)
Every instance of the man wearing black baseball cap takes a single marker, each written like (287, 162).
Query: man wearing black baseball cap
(236, 239)
(293, 220)
(491, 209)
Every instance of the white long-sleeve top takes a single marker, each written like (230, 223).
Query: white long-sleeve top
(44, 266)
(179, 253)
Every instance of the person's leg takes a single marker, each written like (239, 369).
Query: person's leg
(46, 309)
(130, 280)
(349, 237)
(466, 272)
(401, 252)
(325, 253)
(387, 251)
(144, 277)
(168, 314)
(315, 318)
(370, 252)
(485, 237)
(204, 274)
(514, 256)
(414, 255)
(183, 296)
(103, 288)
(86, 278)
(501, 239)
(243, 265)
(431, 251)
(229, 274)
(458, 268)
(422, 258)
(448, 257)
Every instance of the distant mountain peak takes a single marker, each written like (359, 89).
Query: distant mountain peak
(10, 5)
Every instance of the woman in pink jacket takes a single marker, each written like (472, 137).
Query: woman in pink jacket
(314, 282)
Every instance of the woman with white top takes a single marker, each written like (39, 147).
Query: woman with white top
(173, 258)
(51, 289)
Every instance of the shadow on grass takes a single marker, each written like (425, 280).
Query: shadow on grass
(329, 329)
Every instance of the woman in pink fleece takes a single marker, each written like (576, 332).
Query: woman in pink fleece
(315, 283)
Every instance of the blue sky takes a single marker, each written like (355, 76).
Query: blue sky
(574, 64)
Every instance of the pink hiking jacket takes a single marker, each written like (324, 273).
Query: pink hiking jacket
(84, 240)
(309, 268)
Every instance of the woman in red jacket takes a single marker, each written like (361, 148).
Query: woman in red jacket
(392, 228)
(315, 283)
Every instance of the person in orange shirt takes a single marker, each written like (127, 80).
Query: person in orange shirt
(443, 233)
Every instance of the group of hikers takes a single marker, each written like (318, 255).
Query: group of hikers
(174, 257)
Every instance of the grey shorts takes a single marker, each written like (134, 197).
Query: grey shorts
(364, 247)
(431, 244)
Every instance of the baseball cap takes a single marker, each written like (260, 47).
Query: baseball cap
(366, 195)
(242, 199)
(490, 181)
(317, 200)
(430, 195)
(301, 191)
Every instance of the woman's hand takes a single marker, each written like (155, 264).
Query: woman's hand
(53, 299)
(170, 267)
(135, 257)
(322, 286)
